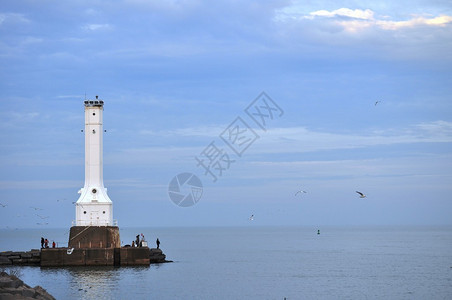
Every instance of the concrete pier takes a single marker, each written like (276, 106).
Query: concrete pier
(88, 246)
(60, 257)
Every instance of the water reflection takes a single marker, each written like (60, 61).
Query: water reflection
(91, 282)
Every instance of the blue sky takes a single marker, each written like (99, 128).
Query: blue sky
(175, 74)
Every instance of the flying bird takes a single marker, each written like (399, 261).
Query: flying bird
(252, 218)
(3, 205)
(42, 217)
(361, 195)
(376, 102)
(36, 208)
(298, 192)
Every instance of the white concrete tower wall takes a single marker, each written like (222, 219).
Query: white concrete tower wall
(94, 207)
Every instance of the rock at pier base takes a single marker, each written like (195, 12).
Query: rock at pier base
(12, 287)
(157, 256)
(28, 258)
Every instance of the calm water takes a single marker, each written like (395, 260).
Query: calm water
(261, 263)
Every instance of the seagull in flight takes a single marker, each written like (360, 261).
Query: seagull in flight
(376, 102)
(3, 205)
(36, 208)
(361, 195)
(252, 218)
(300, 191)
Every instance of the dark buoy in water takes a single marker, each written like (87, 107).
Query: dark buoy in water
(318, 231)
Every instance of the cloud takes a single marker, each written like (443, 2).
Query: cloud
(12, 18)
(439, 21)
(201, 131)
(438, 129)
(301, 139)
(346, 12)
(365, 18)
(417, 35)
(39, 184)
(353, 20)
(169, 5)
(31, 40)
(97, 27)
(284, 141)
(13, 118)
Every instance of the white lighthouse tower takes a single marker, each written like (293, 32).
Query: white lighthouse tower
(94, 207)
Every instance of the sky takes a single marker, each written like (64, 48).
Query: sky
(355, 96)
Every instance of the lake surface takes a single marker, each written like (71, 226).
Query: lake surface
(260, 263)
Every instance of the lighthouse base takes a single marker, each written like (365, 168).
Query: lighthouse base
(88, 237)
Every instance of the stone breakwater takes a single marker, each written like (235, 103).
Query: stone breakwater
(12, 287)
(27, 258)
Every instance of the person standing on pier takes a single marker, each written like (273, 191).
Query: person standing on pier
(42, 242)
(158, 243)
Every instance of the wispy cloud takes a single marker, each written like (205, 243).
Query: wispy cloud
(12, 118)
(303, 139)
(353, 20)
(12, 18)
(201, 131)
(97, 27)
(346, 12)
(439, 21)
(367, 32)
(39, 184)
(281, 141)
(134, 183)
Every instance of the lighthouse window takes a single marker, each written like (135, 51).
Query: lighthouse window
(94, 131)
(94, 191)
(84, 212)
(94, 114)
(104, 212)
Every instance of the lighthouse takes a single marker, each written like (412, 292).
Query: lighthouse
(94, 236)
(94, 207)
